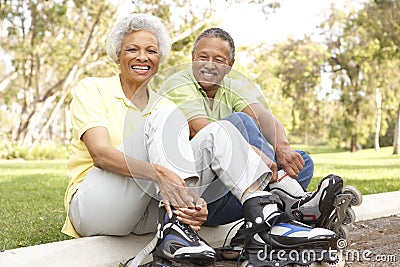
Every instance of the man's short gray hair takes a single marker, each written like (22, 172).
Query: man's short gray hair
(137, 22)
(217, 33)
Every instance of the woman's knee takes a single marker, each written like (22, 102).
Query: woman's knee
(109, 204)
(168, 115)
(90, 222)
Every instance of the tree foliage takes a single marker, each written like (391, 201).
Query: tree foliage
(361, 52)
(52, 43)
(47, 46)
(299, 73)
(359, 55)
(382, 20)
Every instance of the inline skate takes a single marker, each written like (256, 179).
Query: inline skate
(328, 207)
(269, 237)
(180, 245)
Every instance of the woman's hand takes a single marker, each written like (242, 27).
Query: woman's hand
(196, 216)
(173, 190)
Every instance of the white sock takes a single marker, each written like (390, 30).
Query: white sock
(254, 194)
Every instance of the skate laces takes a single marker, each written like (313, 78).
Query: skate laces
(190, 233)
(305, 198)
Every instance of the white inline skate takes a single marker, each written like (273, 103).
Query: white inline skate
(180, 245)
(176, 244)
(269, 237)
(329, 206)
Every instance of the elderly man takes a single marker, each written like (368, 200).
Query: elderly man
(205, 94)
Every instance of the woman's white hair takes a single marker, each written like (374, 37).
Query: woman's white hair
(137, 22)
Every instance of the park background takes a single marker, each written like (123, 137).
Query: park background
(331, 77)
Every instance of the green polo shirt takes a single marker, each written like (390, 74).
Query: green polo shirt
(233, 95)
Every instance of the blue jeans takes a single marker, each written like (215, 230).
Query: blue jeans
(228, 208)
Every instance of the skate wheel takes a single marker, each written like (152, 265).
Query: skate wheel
(338, 263)
(350, 216)
(344, 232)
(356, 196)
(230, 255)
(246, 263)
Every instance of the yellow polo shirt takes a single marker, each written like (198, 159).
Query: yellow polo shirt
(100, 102)
(233, 95)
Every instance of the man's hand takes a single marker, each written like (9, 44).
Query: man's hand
(289, 160)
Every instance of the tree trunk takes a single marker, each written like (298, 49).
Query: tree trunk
(354, 146)
(35, 120)
(72, 78)
(378, 99)
(396, 138)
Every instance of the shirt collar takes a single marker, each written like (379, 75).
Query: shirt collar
(119, 94)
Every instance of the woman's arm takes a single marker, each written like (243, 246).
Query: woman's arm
(111, 159)
(172, 187)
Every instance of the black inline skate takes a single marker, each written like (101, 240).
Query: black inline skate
(180, 245)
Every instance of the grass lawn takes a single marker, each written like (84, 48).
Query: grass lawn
(32, 192)
(371, 172)
(31, 202)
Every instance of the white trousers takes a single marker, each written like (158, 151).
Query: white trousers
(111, 204)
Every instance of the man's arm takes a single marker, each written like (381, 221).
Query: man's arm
(274, 132)
(199, 122)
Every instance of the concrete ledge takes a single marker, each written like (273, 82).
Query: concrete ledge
(102, 251)
(96, 251)
(378, 205)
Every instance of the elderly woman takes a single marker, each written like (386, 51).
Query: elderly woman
(120, 129)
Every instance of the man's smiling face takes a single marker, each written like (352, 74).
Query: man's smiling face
(211, 62)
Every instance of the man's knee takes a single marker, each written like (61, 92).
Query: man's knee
(237, 117)
(243, 122)
(306, 157)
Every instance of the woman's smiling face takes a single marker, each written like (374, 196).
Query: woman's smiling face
(139, 58)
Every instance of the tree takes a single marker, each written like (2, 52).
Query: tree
(351, 57)
(299, 72)
(52, 44)
(381, 19)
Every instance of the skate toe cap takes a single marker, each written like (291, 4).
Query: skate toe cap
(320, 233)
